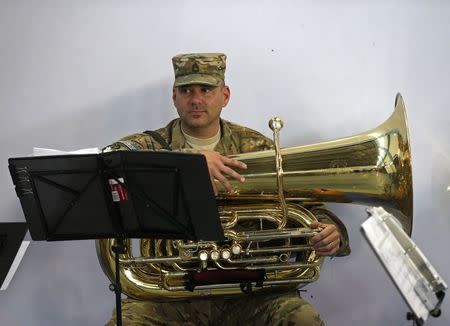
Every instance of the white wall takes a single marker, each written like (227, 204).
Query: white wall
(77, 74)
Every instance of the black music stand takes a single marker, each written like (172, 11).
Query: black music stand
(118, 195)
(12, 249)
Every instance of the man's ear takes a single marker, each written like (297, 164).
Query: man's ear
(226, 95)
(174, 94)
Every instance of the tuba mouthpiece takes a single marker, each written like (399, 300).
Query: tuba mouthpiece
(275, 123)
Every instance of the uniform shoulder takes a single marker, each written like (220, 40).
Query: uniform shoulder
(147, 140)
(244, 131)
(249, 140)
(132, 142)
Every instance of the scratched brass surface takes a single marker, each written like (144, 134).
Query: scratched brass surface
(372, 168)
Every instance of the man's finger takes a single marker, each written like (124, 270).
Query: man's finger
(325, 241)
(329, 249)
(232, 162)
(225, 182)
(232, 173)
(327, 230)
(327, 244)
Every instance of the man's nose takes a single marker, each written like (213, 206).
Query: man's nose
(196, 97)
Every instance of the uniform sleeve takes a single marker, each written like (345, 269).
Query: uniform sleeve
(255, 143)
(325, 216)
(134, 142)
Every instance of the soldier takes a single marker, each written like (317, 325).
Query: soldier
(199, 95)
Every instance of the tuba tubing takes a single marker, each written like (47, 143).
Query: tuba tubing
(371, 168)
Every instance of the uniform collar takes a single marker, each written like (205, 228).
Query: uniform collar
(226, 145)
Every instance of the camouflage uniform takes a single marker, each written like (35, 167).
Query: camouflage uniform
(279, 308)
(282, 306)
(234, 139)
(276, 308)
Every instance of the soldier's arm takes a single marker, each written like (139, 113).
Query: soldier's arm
(256, 144)
(218, 165)
(134, 142)
(332, 227)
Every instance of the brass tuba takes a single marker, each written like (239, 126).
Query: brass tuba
(265, 221)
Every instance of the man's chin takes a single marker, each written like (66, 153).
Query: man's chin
(196, 123)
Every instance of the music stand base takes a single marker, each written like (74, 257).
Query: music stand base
(118, 248)
(416, 321)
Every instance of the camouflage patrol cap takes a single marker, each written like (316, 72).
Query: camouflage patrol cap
(199, 68)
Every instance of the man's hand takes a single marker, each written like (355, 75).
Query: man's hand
(219, 166)
(327, 241)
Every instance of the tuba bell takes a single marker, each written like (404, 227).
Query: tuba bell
(265, 221)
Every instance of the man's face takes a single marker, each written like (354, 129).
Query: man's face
(199, 107)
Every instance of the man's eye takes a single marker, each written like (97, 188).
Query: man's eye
(185, 91)
(207, 90)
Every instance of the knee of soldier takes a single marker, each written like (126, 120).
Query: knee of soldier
(303, 315)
